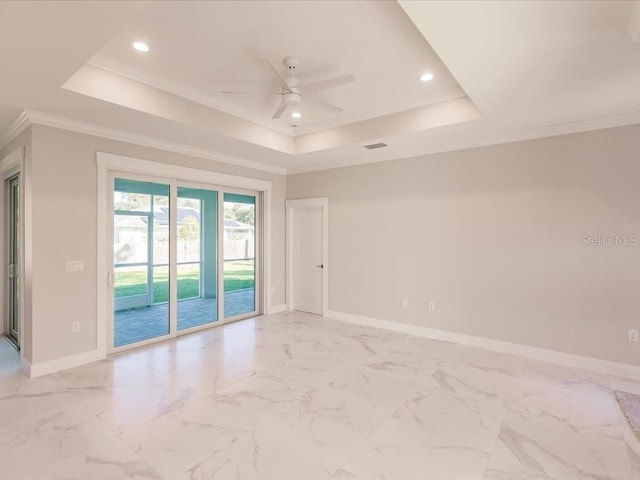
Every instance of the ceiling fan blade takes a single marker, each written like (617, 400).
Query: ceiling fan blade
(246, 92)
(315, 87)
(324, 104)
(277, 74)
(280, 110)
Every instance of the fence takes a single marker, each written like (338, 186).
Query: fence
(188, 251)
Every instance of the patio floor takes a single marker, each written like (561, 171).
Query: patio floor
(137, 324)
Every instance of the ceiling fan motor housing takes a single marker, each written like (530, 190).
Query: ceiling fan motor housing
(290, 62)
(291, 98)
(289, 83)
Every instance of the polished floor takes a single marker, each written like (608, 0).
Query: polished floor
(296, 396)
(138, 324)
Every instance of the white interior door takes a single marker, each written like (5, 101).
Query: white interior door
(308, 259)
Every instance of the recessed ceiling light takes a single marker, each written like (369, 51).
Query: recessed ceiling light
(141, 47)
(426, 77)
(296, 115)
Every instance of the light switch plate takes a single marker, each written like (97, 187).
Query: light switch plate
(75, 265)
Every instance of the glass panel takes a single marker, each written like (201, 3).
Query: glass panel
(197, 237)
(130, 281)
(14, 257)
(188, 281)
(130, 239)
(239, 254)
(141, 261)
(131, 202)
(160, 284)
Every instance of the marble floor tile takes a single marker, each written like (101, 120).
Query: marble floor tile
(105, 460)
(564, 426)
(631, 438)
(297, 396)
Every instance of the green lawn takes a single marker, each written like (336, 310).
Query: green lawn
(238, 274)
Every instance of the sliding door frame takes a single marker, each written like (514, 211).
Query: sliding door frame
(109, 167)
(217, 189)
(113, 174)
(11, 165)
(258, 253)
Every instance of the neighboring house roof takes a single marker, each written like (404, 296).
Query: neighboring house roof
(161, 215)
(235, 225)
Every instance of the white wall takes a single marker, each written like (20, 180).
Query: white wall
(493, 236)
(64, 182)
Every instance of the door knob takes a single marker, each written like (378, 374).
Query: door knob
(320, 266)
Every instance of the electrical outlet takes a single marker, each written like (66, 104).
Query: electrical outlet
(405, 303)
(75, 327)
(632, 335)
(431, 306)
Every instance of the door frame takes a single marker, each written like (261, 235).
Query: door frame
(11, 165)
(12, 251)
(173, 175)
(291, 206)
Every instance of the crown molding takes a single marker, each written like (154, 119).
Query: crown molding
(567, 128)
(29, 117)
(15, 129)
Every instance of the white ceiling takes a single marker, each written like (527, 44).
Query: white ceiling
(517, 70)
(200, 49)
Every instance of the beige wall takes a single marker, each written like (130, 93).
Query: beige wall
(64, 183)
(493, 236)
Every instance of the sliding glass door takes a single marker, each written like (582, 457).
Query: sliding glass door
(197, 257)
(239, 254)
(141, 261)
(12, 229)
(167, 273)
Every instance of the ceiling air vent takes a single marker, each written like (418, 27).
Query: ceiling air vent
(373, 146)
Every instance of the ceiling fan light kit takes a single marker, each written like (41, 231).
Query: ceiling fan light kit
(292, 92)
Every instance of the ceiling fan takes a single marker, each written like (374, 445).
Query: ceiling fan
(293, 91)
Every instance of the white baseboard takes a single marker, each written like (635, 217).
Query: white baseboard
(277, 308)
(25, 366)
(43, 368)
(536, 353)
